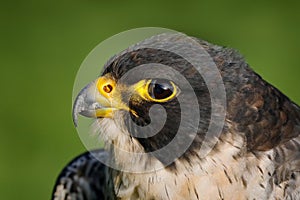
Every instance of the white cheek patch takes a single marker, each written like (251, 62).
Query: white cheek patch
(106, 129)
(115, 136)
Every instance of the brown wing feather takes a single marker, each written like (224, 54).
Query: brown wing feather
(256, 108)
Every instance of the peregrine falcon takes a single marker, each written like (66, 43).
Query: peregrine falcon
(255, 155)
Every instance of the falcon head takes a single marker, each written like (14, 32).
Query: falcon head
(147, 99)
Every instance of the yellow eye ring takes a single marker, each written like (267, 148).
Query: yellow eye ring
(156, 90)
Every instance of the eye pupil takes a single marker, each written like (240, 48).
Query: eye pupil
(160, 89)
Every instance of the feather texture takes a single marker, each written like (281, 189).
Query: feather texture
(256, 156)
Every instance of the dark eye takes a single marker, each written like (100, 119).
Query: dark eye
(160, 89)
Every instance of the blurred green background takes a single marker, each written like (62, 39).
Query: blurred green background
(44, 42)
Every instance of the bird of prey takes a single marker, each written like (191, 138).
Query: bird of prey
(256, 155)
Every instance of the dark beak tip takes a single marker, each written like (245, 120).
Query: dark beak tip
(82, 105)
(75, 119)
(76, 109)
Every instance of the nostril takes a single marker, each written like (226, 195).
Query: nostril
(95, 106)
(107, 88)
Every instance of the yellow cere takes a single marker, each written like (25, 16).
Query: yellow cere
(106, 86)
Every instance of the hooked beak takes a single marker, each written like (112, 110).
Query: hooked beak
(90, 103)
